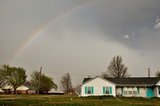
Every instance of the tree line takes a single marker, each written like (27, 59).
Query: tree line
(40, 83)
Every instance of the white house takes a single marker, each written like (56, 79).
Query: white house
(128, 87)
(98, 86)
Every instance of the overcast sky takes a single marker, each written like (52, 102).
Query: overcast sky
(80, 36)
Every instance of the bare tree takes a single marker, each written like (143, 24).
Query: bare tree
(66, 83)
(116, 68)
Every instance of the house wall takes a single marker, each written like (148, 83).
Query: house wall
(156, 90)
(22, 91)
(98, 84)
(142, 92)
(120, 91)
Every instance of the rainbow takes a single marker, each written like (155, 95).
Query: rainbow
(45, 26)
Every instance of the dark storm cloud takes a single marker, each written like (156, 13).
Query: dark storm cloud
(135, 18)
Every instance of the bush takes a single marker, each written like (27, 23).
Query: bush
(100, 97)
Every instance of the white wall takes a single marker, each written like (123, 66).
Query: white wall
(98, 84)
(156, 90)
(142, 92)
(118, 91)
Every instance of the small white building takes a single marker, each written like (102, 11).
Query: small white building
(1, 91)
(22, 89)
(56, 92)
(128, 87)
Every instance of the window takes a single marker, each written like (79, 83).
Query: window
(107, 90)
(130, 89)
(135, 92)
(130, 92)
(125, 92)
(88, 90)
(159, 90)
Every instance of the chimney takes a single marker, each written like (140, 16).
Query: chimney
(149, 72)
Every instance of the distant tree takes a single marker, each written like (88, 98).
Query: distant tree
(105, 75)
(66, 83)
(157, 74)
(3, 75)
(46, 84)
(42, 83)
(78, 89)
(35, 80)
(116, 68)
(17, 76)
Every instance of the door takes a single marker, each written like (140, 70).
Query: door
(150, 92)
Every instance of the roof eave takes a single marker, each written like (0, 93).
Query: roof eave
(141, 85)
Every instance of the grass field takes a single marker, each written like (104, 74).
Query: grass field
(67, 100)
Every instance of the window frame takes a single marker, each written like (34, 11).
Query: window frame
(89, 90)
(135, 92)
(130, 92)
(107, 90)
(125, 92)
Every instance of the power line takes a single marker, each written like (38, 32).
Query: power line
(76, 74)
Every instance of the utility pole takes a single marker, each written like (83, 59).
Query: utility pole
(39, 80)
(149, 72)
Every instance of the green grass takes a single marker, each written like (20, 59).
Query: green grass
(68, 100)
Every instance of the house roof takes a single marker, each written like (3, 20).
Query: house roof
(129, 81)
(7, 87)
(148, 81)
(1, 90)
(86, 79)
(89, 79)
(28, 84)
(22, 87)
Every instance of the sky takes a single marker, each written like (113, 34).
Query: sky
(80, 37)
